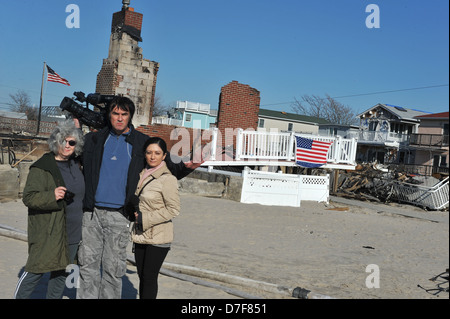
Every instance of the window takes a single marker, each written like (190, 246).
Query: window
(402, 157)
(188, 117)
(443, 161)
(261, 123)
(290, 127)
(436, 159)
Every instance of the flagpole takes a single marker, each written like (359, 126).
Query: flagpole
(40, 100)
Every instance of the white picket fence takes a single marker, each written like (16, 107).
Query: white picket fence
(436, 197)
(278, 189)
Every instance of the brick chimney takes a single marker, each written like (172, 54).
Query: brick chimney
(129, 21)
(238, 108)
(125, 72)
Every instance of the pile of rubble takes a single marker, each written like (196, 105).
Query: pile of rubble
(374, 182)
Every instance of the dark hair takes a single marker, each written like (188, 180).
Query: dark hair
(124, 104)
(156, 140)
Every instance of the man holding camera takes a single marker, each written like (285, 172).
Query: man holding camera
(112, 160)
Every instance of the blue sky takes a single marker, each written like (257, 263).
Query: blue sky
(284, 49)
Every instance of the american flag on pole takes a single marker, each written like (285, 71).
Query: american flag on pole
(311, 153)
(52, 76)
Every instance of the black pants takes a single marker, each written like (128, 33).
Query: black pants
(149, 260)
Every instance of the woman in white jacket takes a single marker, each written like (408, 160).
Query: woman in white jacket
(158, 204)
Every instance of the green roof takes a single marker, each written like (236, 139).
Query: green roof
(291, 116)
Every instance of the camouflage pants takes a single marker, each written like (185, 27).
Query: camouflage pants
(102, 254)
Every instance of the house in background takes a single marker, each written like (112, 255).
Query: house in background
(13, 115)
(189, 114)
(288, 122)
(429, 147)
(384, 133)
(199, 115)
(344, 131)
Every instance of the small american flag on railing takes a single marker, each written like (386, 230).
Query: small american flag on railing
(311, 153)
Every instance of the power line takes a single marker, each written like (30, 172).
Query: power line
(335, 97)
(28, 90)
(372, 93)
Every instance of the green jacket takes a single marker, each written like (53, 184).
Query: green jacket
(47, 237)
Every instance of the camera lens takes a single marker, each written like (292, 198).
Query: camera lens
(68, 197)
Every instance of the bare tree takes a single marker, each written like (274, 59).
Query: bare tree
(159, 108)
(22, 104)
(326, 108)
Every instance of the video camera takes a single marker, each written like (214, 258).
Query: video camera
(84, 114)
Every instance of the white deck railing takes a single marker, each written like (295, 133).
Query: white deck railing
(277, 146)
(281, 146)
(264, 145)
(166, 121)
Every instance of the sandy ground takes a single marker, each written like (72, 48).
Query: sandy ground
(342, 249)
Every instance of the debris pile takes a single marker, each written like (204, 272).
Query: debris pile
(366, 182)
(374, 182)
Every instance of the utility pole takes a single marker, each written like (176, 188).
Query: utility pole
(40, 101)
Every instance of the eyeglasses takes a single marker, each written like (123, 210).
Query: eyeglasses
(71, 142)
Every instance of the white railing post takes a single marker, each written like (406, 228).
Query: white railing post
(291, 150)
(352, 152)
(214, 144)
(336, 150)
(239, 143)
(341, 150)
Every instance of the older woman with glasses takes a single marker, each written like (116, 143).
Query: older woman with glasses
(54, 194)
